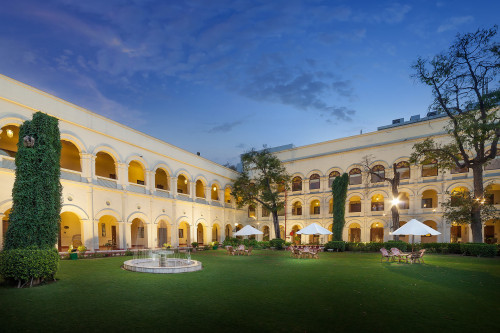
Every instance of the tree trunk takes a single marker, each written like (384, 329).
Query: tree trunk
(276, 224)
(395, 208)
(476, 223)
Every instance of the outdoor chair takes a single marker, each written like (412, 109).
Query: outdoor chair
(419, 256)
(240, 249)
(313, 253)
(249, 251)
(401, 256)
(386, 255)
(230, 250)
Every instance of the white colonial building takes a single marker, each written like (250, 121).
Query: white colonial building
(127, 189)
(120, 186)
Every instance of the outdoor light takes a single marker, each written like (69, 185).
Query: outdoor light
(10, 133)
(395, 201)
(215, 188)
(185, 181)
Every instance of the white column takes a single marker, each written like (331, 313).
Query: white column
(122, 175)
(127, 234)
(150, 181)
(173, 186)
(88, 166)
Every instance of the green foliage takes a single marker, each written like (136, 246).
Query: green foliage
(28, 264)
(339, 191)
(459, 205)
(129, 253)
(365, 247)
(264, 245)
(34, 220)
(338, 246)
(194, 244)
(261, 181)
(277, 243)
(229, 241)
(402, 246)
(479, 249)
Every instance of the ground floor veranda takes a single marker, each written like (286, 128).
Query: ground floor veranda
(108, 233)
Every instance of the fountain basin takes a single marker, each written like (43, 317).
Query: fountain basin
(172, 266)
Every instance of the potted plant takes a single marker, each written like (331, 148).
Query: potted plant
(109, 245)
(72, 253)
(194, 245)
(166, 246)
(215, 245)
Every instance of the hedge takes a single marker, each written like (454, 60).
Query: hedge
(338, 246)
(29, 265)
(479, 249)
(277, 243)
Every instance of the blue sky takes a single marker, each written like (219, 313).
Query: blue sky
(221, 77)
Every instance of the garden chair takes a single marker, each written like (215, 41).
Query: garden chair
(230, 250)
(401, 256)
(240, 249)
(249, 251)
(386, 255)
(419, 256)
(313, 253)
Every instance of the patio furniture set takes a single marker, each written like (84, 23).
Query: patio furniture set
(304, 252)
(411, 257)
(240, 250)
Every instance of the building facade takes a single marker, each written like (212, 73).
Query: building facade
(369, 199)
(121, 188)
(125, 189)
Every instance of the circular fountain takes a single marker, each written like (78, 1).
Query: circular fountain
(169, 261)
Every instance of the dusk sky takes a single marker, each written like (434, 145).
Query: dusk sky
(221, 77)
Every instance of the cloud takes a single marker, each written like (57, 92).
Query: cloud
(454, 22)
(225, 127)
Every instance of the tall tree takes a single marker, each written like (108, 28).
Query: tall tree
(339, 192)
(465, 86)
(29, 255)
(261, 181)
(367, 162)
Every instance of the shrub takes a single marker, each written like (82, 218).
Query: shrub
(479, 249)
(402, 246)
(29, 265)
(264, 244)
(338, 246)
(194, 244)
(231, 242)
(277, 243)
(250, 242)
(128, 252)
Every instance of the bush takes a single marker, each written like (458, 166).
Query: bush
(402, 246)
(29, 265)
(264, 244)
(194, 244)
(479, 249)
(231, 242)
(250, 242)
(338, 246)
(277, 243)
(128, 252)
(368, 247)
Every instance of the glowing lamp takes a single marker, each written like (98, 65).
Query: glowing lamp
(185, 181)
(395, 201)
(214, 188)
(10, 133)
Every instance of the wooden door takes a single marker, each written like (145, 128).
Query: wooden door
(113, 236)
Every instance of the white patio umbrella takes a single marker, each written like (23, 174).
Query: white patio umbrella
(415, 227)
(314, 229)
(247, 231)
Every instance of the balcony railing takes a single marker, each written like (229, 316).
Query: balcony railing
(136, 188)
(71, 175)
(106, 182)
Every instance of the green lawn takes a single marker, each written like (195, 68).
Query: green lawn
(266, 292)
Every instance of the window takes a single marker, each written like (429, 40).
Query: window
(427, 203)
(404, 201)
(140, 232)
(314, 182)
(355, 206)
(355, 176)
(315, 207)
(297, 208)
(403, 168)
(331, 177)
(379, 174)
(377, 203)
(297, 184)
(281, 212)
(265, 212)
(430, 169)
(251, 211)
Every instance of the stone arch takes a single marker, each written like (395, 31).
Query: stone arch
(377, 231)
(74, 139)
(109, 231)
(70, 231)
(138, 158)
(163, 232)
(214, 193)
(138, 232)
(354, 232)
(216, 231)
(312, 172)
(70, 156)
(76, 210)
(105, 148)
(454, 185)
(108, 211)
(137, 214)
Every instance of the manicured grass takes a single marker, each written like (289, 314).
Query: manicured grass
(266, 292)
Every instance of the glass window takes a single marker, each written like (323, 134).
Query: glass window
(403, 168)
(430, 169)
(297, 184)
(379, 175)
(314, 182)
(355, 176)
(331, 177)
